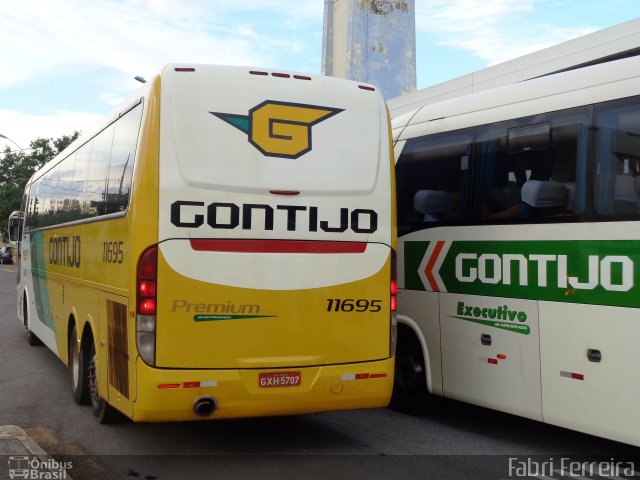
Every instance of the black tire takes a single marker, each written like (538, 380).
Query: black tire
(103, 412)
(410, 392)
(32, 339)
(78, 369)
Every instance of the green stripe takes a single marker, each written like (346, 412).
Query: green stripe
(611, 259)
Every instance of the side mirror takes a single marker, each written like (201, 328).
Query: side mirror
(15, 227)
(14, 233)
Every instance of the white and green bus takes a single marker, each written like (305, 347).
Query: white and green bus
(519, 250)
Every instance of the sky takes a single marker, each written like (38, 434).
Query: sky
(66, 63)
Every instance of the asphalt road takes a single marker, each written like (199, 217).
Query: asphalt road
(458, 442)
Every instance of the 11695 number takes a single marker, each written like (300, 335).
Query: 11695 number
(113, 252)
(353, 305)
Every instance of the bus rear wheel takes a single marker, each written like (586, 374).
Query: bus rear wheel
(103, 412)
(410, 392)
(78, 369)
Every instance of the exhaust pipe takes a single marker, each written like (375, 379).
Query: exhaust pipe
(204, 406)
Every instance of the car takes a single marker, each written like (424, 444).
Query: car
(6, 255)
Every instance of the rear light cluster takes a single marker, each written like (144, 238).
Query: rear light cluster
(146, 293)
(394, 295)
(393, 304)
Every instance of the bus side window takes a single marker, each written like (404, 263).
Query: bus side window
(123, 154)
(617, 192)
(30, 221)
(80, 172)
(433, 181)
(40, 202)
(96, 186)
(69, 202)
(532, 169)
(499, 176)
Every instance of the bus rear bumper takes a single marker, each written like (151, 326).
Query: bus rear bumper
(170, 395)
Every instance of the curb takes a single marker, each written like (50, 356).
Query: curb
(9, 433)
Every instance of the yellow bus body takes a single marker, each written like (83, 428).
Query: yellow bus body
(268, 322)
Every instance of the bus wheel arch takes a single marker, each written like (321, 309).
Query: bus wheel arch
(410, 389)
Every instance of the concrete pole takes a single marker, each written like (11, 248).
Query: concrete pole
(371, 41)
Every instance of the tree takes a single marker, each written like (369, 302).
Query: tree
(17, 167)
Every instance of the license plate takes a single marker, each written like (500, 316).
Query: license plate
(279, 379)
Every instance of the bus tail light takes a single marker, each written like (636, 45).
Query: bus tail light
(394, 295)
(394, 305)
(146, 289)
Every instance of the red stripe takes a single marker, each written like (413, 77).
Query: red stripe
(431, 263)
(276, 246)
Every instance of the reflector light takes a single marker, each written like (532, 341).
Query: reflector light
(492, 361)
(573, 376)
(280, 75)
(362, 376)
(256, 72)
(301, 77)
(185, 69)
(164, 386)
(191, 384)
(366, 87)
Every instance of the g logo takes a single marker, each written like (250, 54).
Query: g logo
(280, 129)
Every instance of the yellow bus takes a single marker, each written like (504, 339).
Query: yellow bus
(222, 245)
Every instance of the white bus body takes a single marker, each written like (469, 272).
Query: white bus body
(519, 250)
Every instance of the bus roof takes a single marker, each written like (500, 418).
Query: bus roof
(554, 92)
